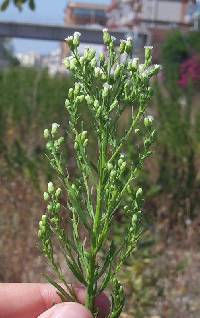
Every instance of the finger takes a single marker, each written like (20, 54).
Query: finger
(67, 310)
(30, 300)
(26, 300)
(102, 302)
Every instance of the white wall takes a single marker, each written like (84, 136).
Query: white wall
(162, 10)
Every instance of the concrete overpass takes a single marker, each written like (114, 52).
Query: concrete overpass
(57, 33)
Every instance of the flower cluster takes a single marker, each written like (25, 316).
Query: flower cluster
(107, 85)
(190, 72)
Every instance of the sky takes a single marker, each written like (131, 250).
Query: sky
(47, 12)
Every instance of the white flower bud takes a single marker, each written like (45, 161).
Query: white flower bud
(113, 174)
(77, 88)
(69, 41)
(93, 62)
(85, 143)
(148, 55)
(46, 196)
(54, 129)
(122, 46)
(117, 71)
(44, 218)
(57, 207)
(91, 54)
(109, 166)
(101, 58)
(50, 187)
(148, 120)
(58, 192)
(66, 62)
(106, 89)
(46, 134)
(135, 64)
(134, 218)
(98, 72)
(122, 166)
(106, 37)
(139, 193)
(67, 103)
(88, 99)
(76, 39)
(129, 45)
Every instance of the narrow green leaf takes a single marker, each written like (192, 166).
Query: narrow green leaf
(61, 290)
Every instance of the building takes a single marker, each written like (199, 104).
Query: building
(130, 13)
(85, 14)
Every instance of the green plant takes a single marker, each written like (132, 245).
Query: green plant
(18, 3)
(97, 193)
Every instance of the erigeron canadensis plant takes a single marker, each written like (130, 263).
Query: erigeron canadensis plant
(108, 86)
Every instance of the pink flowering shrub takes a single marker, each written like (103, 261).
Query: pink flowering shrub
(190, 72)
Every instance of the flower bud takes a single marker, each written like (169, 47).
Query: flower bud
(88, 99)
(79, 99)
(60, 141)
(93, 62)
(122, 46)
(50, 207)
(120, 161)
(148, 55)
(139, 194)
(71, 93)
(122, 166)
(98, 72)
(57, 207)
(148, 121)
(117, 71)
(85, 143)
(54, 129)
(109, 166)
(134, 218)
(135, 64)
(76, 39)
(46, 134)
(101, 59)
(49, 145)
(91, 54)
(77, 88)
(50, 187)
(69, 41)
(43, 219)
(46, 196)
(58, 192)
(106, 37)
(129, 45)
(67, 103)
(106, 89)
(113, 174)
(66, 62)
(83, 135)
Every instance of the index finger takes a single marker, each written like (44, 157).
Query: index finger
(26, 300)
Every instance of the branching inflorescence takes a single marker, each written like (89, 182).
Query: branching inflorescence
(107, 85)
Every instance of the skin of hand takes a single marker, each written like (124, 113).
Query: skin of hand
(26, 300)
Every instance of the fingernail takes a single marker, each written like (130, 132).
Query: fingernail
(67, 310)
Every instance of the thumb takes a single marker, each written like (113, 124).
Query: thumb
(67, 310)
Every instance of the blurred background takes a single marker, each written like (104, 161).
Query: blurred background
(162, 279)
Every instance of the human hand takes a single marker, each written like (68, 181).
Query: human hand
(41, 301)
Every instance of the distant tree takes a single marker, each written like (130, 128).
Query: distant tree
(7, 52)
(18, 3)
